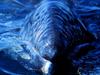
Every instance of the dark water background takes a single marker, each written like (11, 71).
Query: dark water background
(12, 15)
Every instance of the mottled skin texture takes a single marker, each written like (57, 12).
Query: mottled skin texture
(53, 30)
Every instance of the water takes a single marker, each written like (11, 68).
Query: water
(12, 18)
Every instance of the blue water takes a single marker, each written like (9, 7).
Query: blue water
(12, 18)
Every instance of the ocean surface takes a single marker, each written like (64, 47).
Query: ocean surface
(12, 18)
